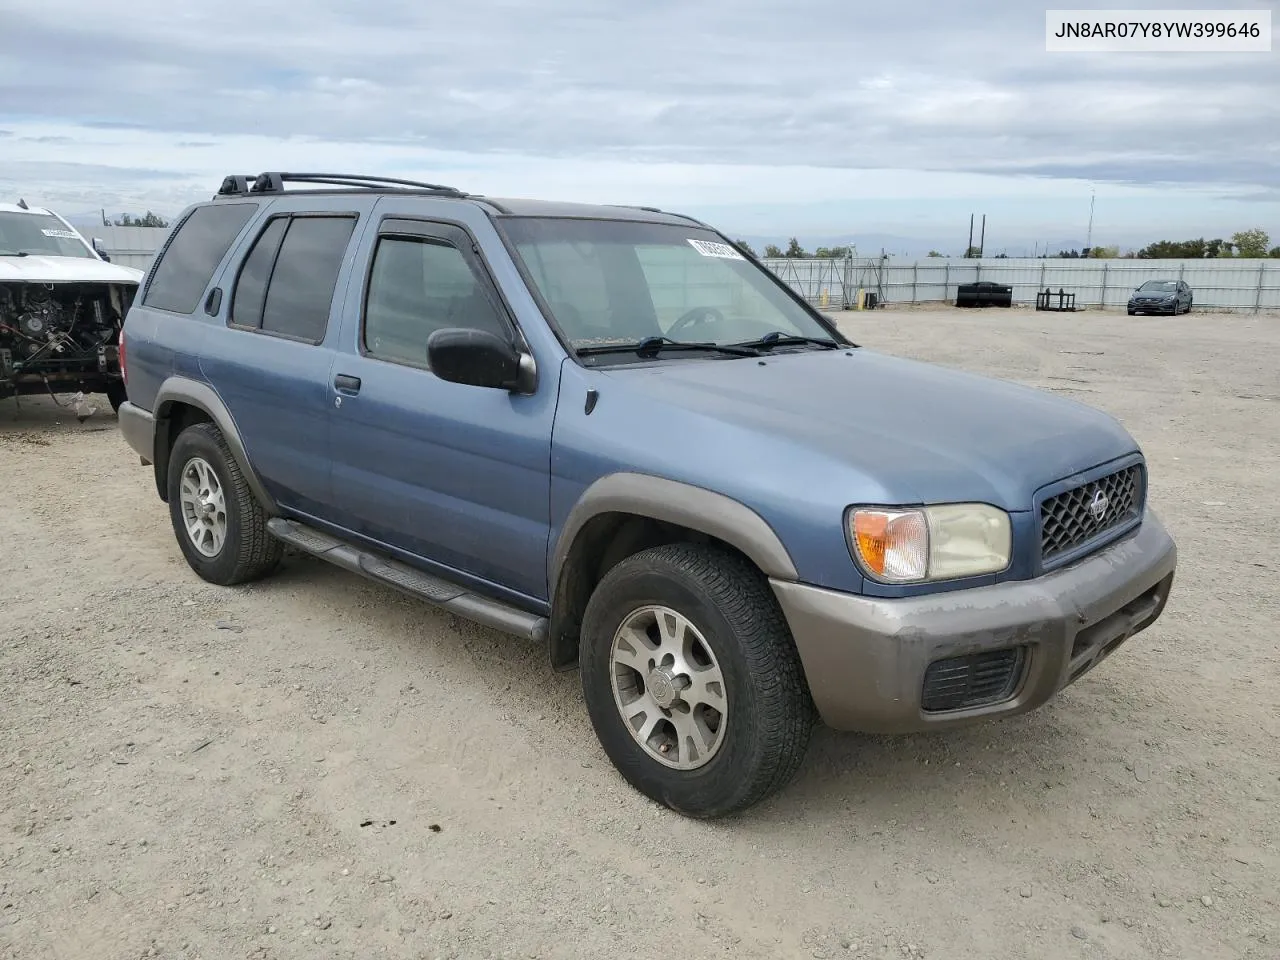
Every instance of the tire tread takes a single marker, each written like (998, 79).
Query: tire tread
(784, 710)
(257, 552)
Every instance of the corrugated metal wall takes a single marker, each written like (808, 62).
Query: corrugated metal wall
(1219, 283)
(129, 246)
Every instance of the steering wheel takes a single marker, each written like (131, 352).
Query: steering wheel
(696, 317)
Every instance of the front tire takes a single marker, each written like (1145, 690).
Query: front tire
(116, 394)
(220, 526)
(692, 681)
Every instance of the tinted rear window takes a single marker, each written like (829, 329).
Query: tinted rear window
(251, 288)
(193, 253)
(301, 289)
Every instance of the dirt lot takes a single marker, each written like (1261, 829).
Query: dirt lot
(317, 767)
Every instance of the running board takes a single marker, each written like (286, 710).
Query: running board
(410, 580)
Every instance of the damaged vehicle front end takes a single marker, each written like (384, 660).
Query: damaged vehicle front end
(62, 305)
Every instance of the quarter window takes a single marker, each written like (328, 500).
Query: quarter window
(187, 263)
(419, 285)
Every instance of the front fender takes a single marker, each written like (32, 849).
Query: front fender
(693, 507)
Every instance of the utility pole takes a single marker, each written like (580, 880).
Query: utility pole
(1088, 240)
(982, 241)
(968, 250)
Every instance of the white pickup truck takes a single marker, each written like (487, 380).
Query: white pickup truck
(62, 303)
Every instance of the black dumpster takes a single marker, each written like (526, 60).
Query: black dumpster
(984, 293)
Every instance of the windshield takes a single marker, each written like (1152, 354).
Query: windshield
(38, 234)
(1160, 286)
(621, 281)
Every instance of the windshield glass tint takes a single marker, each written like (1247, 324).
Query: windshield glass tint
(38, 235)
(619, 281)
(1160, 286)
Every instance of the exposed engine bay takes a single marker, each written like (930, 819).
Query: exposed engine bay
(60, 337)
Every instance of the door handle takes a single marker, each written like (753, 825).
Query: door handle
(347, 383)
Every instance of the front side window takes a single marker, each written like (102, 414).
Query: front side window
(618, 281)
(419, 285)
(38, 235)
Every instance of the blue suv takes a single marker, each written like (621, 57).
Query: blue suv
(611, 431)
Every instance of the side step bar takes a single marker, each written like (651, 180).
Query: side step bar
(407, 579)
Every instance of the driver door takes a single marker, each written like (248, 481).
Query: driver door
(456, 475)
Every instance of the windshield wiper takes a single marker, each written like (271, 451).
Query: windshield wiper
(779, 339)
(652, 346)
(16, 253)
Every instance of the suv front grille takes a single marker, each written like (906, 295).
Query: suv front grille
(977, 680)
(1081, 514)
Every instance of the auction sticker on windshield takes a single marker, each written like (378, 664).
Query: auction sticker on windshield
(710, 249)
(64, 234)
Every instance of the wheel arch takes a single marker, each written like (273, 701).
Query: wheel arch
(623, 513)
(181, 402)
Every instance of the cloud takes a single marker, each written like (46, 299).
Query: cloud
(737, 100)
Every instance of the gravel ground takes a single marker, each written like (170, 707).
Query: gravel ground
(317, 767)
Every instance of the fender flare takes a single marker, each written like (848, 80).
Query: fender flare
(179, 389)
(696, 508)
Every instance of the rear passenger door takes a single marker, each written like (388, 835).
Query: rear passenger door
(455, 475)
(272, 361)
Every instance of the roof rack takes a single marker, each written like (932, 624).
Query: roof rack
(238, 185)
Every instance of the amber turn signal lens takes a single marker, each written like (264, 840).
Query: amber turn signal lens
(892, 544)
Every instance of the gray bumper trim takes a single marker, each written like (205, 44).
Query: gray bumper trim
(139, 430)
(865, 658)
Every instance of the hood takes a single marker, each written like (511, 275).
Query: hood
(37, 269)
(878, 426)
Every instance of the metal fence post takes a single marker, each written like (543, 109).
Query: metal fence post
(946, 282)
(1102, 300)
(1044, 264)
(914, 268)
(1257, 299)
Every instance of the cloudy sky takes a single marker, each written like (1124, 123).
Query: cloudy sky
(827, 119)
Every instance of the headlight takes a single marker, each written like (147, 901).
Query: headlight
(912, 545)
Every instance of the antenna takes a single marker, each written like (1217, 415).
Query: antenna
(23, 204)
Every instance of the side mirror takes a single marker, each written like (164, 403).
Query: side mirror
(478, 358)
(100, 249)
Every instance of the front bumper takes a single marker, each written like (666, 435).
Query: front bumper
(867, 660)
(1154, 307)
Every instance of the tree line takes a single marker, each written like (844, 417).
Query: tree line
(796, 252)
(1251, 244)
(148, 219)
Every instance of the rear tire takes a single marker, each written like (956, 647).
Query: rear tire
(705, 754)
(220, 526)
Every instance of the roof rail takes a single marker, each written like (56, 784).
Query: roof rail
(667, 213)
(273, 182)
